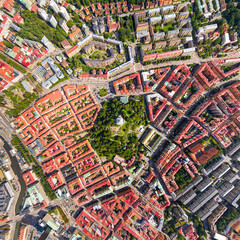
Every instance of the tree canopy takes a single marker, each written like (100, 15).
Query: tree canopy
(35, 28)
(109, 143)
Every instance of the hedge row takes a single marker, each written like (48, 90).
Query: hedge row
(13, 64)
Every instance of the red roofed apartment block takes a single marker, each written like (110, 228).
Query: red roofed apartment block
(201, 154)
(115, 205)
(163, 55)
(47, 139)
(86, 11)
(93, 7)
(217, 69)
(128, 196)
(225, 133)
(143, 207)
(19, 123)
(49, 166)
(160, 202)
(235, 89)
(82, 102)
(55, 149)
(145, 230)
(99, 189)
(7, 72)
(86, 164)
(129, 84)
(75, 186)
(17, 19)
(80, 150)
(167, 118)
(189, 232)
(58, 115)
(3, 84)
(28, 135)
(120, 179)
(62, 160)
(82, 198)
(55, 181)
(123, 230)
(4, 20)
(227, 102)
(88, 117)
(191, 133)
(34, 8)
(152, 78)
(172, 167)
(72, 51)
(209, 114)
(166, 154)
(91, 228)
(106, 6)
(103, 216)
(39, 126)
(190, 92)
(30, 115)
(111, 168)
(99, 6)
(28, 178)
(49, 102)
(92, 177)
(8, 5)
(206, 76)
(155, 103)
(67, 128)
(175, 80)
(88, 18)
(73, 91)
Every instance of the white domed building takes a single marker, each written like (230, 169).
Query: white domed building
(119, 120)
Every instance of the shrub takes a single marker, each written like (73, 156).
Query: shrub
(103, 92)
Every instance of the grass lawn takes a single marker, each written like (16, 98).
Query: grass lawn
(168, 26)
(98, 55)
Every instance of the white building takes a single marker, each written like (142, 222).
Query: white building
(42, 13)
(63, 25)
(41, 3)
(207, 29)
(54, 6)
(225, 39)
(63, 12)
(47, 44)
(52, 20)
(119, 120)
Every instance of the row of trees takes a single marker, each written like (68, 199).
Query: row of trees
(168, 60)
(12, 63)
(24, 152)
(79, 3)
(37, 169)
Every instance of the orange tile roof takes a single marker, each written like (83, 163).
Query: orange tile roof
(74, 33)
